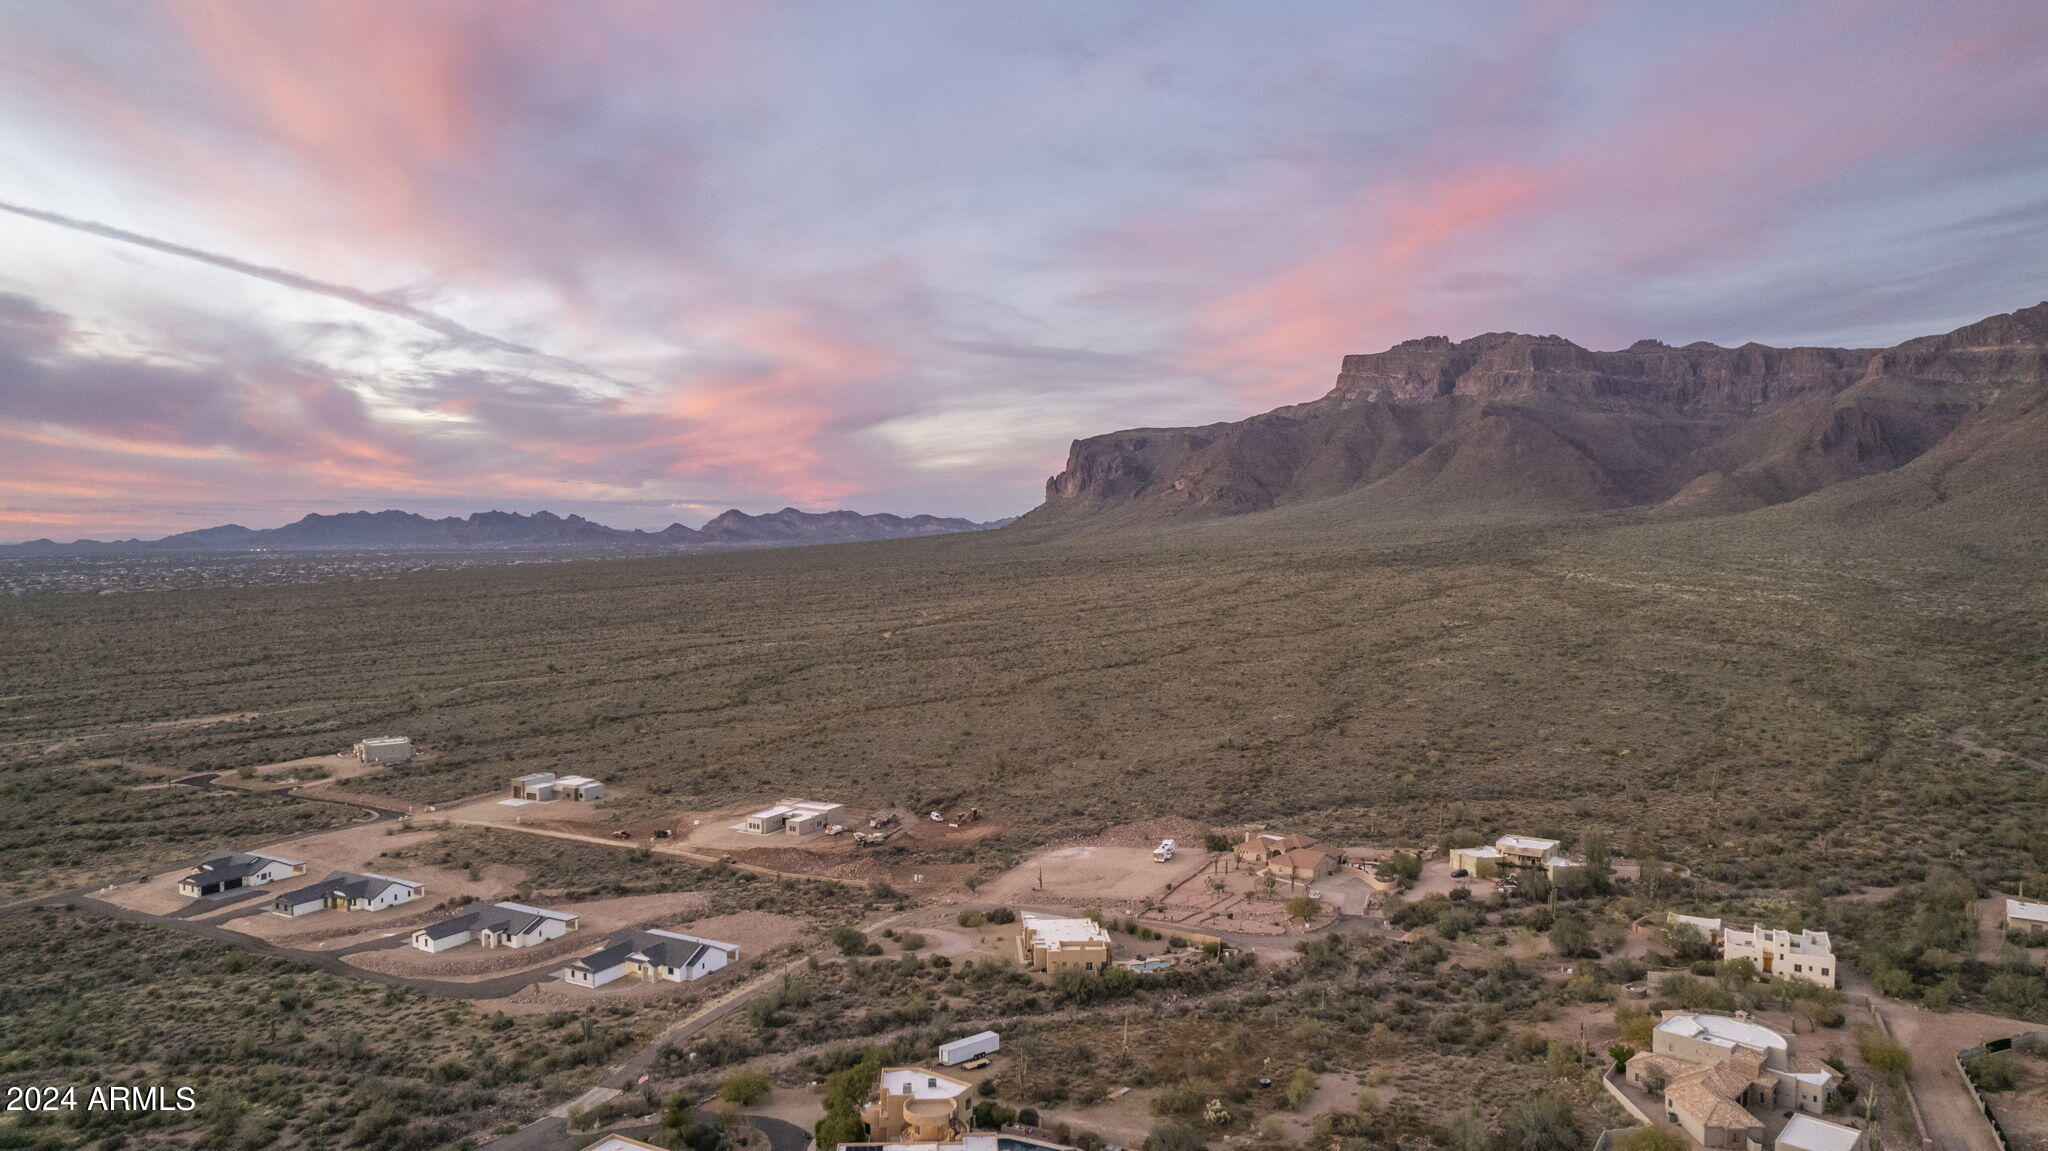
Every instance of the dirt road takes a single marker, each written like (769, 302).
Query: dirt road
(1952, 1119)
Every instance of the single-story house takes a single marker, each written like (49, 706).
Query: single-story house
(1049, 944)
(1303, 864)
(234, 870)
(384, 749)
(1259, 846)
(1469, 858)
(795, 817)
(2031, 918)
(495, 925)
(1809, 1133)
(651, 955)
(347, 891)
(547, 787)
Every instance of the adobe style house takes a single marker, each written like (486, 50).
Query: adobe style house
(913, 1105)
(1303, 864)
(1806, 1133)
(1049, 944)
(383, 749)
(1515, 852)
(495, 925)
(234, 870)
(547, 787)
(1804, 955)
(347, 891)
(2030, 918)
(1718, 1074)
(650, 955)
(794, 817)
(1258, 847)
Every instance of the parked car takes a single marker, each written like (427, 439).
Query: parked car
(1459, 873)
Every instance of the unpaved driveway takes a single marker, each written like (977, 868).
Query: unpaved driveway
(1934, 1038)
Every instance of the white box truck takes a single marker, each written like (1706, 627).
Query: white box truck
(973, 1047)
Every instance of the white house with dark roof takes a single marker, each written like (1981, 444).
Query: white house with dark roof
(650, 955)
(234, 870)
(347, 891)
(495, 925)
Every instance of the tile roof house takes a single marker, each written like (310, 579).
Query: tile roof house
(650, 955)
(1716, 1072)
(1260, 846)
(347, 891)
(1303, 864)
(495, 925)
(234, 870)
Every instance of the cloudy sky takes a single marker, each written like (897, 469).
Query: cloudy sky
(646, 259)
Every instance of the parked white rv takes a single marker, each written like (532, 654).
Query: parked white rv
(1164, 851)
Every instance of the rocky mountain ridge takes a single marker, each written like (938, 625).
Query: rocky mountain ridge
(1511, 422)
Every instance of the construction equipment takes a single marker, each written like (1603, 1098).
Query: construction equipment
(883, 819)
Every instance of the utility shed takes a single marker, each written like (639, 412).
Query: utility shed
(972, 1047)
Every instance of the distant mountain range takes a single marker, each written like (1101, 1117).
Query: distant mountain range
(1937, 430)
(512, 530)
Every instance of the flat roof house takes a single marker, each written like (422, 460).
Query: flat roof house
(650, 955)
(234, 870)
(384, 749)
(1049, 944)
(913, 1105)
(1715, 1072)
(347, 891)
(547, 787)
(1806, 1133)
(2031, 918)
(1802, 955)
(495, 925)
(1527, 852)
(794, 817)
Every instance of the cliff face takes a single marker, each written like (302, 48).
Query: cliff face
(1505, 421)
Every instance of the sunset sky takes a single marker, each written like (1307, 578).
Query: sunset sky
(645, 261)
